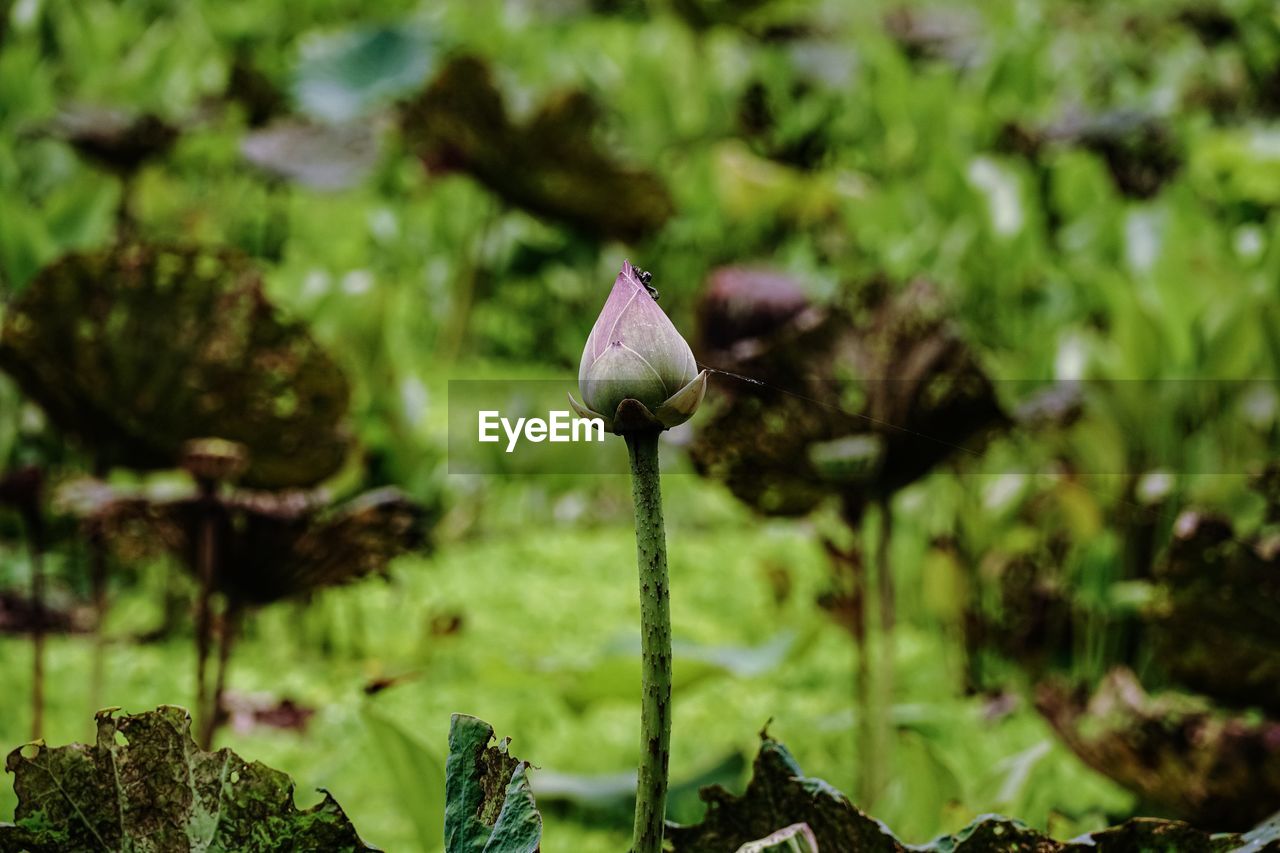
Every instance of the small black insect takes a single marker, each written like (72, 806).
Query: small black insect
(645, 278)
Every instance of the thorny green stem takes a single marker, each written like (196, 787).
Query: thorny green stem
(655, 642)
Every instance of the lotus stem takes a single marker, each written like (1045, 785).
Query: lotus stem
(98, 585)
(882, 731)
(864, 734)
(655, 642)
(35, 542)
(213, 715)
(206, 561)
(454, 334)
(125, 222)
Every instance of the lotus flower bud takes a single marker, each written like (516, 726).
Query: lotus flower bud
(637, 372)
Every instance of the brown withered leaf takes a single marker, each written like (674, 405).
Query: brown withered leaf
(145, 786)
(137, 349)
(780, 795)
(1036, 620)
(854, 404)
(1217, 629)
(115, 139)
(1217, 771)
(274, 545)
(19, 615)
(743, 305)
(926, 391)
(1140, 150)
(461, 122)
(755, 434)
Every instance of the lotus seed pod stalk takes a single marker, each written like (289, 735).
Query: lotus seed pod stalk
(639, 376)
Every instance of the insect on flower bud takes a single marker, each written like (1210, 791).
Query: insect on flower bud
(637, 372)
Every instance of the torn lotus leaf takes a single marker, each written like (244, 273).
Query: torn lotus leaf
(145, 786)
(137, 349)
(489, 805)
(779, 796)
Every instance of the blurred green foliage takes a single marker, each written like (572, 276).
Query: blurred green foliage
(966, 144)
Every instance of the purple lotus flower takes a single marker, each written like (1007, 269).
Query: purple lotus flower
(637, 373)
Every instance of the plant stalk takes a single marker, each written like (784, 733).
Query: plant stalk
(98, 587)
(850, 560)
(206, 557)
(98, 582)
(35, 541)
(655, 642)
(125, 223)
(882, 701)
(212, 718)
(454, 335)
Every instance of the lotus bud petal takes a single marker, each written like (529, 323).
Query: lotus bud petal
(635, 356)
(583, 412)
(681, 405)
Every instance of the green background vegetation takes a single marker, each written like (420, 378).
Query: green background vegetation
(410, 279)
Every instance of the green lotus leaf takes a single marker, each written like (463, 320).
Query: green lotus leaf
(489, 806)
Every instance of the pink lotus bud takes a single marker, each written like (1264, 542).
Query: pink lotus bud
(637, 371)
